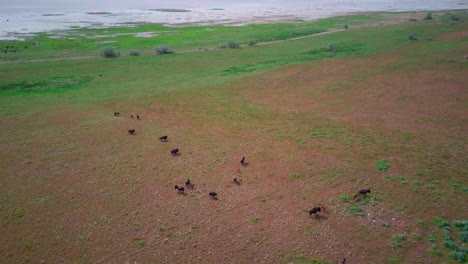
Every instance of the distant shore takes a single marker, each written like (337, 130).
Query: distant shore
(19, 25)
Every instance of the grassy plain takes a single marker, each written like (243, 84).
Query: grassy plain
(381, 112)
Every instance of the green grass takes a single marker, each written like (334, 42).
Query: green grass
(52, 84)
(382, 165)
(256, 220)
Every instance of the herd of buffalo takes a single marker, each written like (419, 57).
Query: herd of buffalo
(190, 185)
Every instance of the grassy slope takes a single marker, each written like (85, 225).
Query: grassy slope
(312, 124)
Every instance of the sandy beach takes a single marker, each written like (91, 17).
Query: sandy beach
(20, 23)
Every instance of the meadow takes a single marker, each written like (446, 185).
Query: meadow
(319, 112)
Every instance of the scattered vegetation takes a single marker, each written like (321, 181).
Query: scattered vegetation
(110, 52)
(331, 48)
(251, 43)
(345, 27)
(140, 243)
(356, 210)
(344, 198)
(233, 45)
(134, 53)
(412, 37)
(256, 219)
(398, 240)
(428, 16)
(382, 165)
(161, 50)
(384, 224)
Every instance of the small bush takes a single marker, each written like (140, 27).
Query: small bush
(233, 45)
(399, 237)
(110, 52)
(455, 18)
(345, 27)
(431, 238)
(450, 244)
(416, 236)
(442, 224)
(428, 16)
(161, 50)
(331, 48)
(140, 243)
(222, 46)
(464, 236)
(420, 223)
(384, 224)
(134, 53)
(256, 220)
(462, 224)
(251, 43)
(412, 37)
(458, 256)
(382, 165)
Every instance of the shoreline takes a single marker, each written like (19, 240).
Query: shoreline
(23, 26)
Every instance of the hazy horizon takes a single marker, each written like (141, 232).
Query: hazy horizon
(135, 4)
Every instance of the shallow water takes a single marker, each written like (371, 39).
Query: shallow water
(22, 17)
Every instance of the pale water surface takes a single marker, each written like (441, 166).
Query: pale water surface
(20, 18)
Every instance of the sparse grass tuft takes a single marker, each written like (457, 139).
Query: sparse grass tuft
(344, 198)
(140, 243)
(385, 224)
(256, 219)
(382, 165)
(356, 210)
(420, 223)
(397, 240)
(134, 53)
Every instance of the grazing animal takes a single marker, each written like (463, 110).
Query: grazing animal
(180, 189)
(174, 151)
(138, 117)
(189, 184)
(343, 261)
(131, 131)
(234, 178)
(163, 138)
(362, 192)
(242, 161)
(213, 194)
(116, 113)
(315, 210)
(132, 116)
